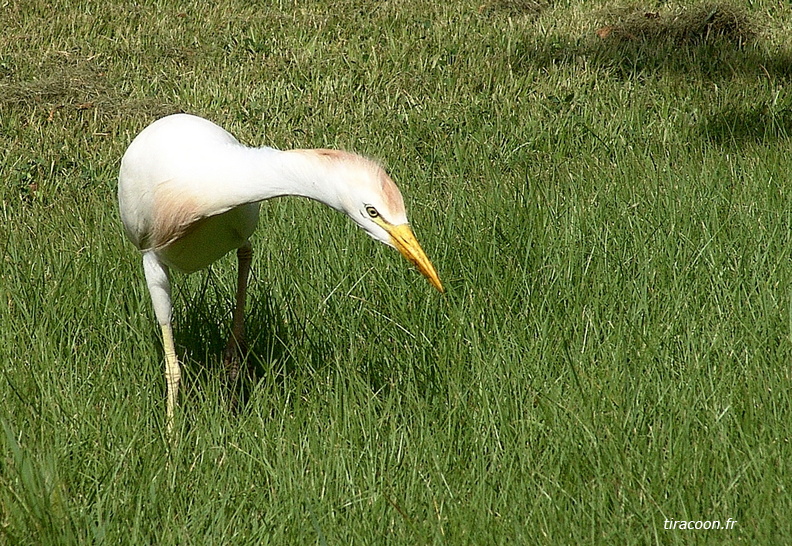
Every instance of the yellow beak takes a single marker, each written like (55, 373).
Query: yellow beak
(405, 242)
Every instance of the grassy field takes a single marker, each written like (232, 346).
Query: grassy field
(603, 187)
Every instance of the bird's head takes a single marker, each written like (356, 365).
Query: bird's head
(372, 200)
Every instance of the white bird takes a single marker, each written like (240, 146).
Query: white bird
(189, 193)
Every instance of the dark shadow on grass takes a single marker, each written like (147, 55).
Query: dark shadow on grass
(515, 8)
(711, 41)
(202, 330)
(716, 42)
(760, 123)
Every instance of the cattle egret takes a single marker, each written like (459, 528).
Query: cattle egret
(189, 193)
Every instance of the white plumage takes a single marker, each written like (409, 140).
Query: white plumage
(189, 193)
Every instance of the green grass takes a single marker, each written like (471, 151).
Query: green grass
(611, 218)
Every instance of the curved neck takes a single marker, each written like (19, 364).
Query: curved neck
(257, 174)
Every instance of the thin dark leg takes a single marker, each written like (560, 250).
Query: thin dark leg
(235, 348)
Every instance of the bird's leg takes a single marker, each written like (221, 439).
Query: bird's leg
(172, 373)
(159, 288)
(236, 343)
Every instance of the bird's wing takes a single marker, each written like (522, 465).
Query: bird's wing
(178, 210)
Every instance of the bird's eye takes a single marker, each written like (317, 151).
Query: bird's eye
(372, 212)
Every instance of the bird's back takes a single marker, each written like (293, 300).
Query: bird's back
(166, 151)
(166, 176)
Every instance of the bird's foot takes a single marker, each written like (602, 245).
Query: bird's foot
(234, 360)
(233, 357)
